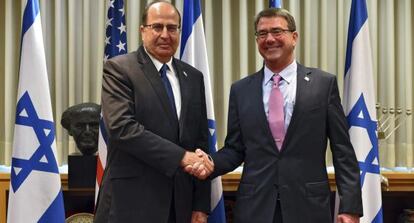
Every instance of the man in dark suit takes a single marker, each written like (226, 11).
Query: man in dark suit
(154, 110)
(284, 176)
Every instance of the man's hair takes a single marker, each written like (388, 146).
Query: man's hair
(145, 14)
(276, 12)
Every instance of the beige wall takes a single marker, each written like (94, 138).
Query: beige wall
(74, 41)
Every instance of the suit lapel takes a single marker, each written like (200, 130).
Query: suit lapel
(185, 92)
(154, 78)
(303, 88)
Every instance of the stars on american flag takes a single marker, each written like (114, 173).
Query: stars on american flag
(115, 39)
(108, 22)
(122, 28)
(122, 11)
(111, 4)
(121, 46)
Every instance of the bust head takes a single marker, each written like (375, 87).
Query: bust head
(82, 122)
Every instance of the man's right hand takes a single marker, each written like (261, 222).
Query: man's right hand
(201, 169)
(190, 158)
(194, 163)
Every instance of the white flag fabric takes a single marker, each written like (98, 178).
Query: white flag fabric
(194, 52)
(359, 106)
(115, 44)
(35, 187)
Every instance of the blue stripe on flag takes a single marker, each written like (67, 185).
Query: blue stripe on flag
(357, 18)
(217, 214)
(55, 212)
(378, 218)
(30, 13)
(191, 12)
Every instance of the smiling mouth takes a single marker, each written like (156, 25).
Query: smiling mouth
(274, 48)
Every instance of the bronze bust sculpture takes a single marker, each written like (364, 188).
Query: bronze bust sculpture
(82, 122)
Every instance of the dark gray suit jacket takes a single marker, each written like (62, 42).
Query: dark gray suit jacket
(147, 142)
(296, 175)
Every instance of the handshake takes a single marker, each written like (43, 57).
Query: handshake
(198, 164)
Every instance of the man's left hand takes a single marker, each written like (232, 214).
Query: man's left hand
(347, 218)
(198, 217)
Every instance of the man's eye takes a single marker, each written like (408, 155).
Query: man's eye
(157, 27)
(263, 33)
(172, 28)
(276, 31)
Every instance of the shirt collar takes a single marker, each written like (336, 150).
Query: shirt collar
(287, 74)
(157, 63)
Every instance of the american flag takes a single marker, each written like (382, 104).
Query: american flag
(115, 44)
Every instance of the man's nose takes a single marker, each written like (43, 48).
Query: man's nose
(270, 38)
(164, 32)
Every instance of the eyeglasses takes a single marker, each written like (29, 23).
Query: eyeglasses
(158, 27)
(276, 32)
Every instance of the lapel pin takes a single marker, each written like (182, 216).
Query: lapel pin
(306, 78)
(185, 74)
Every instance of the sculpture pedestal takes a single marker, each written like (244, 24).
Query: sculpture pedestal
(82, 171)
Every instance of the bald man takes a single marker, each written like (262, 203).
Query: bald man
(155, 115)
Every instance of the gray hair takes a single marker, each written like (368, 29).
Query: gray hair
(276, 12)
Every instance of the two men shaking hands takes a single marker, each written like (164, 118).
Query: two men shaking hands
(198, 164)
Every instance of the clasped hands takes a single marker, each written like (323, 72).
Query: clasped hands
(198, 164)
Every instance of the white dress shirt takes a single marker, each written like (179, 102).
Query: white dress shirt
(172, 77)
(287, 86)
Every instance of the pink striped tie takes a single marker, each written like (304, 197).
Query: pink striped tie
(276, 116)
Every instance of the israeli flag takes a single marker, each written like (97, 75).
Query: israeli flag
(359, 106)
(194, 52)
(35, 187)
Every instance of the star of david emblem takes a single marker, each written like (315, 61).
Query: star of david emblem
(359, 117)
(43, 158)
(212, 135)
